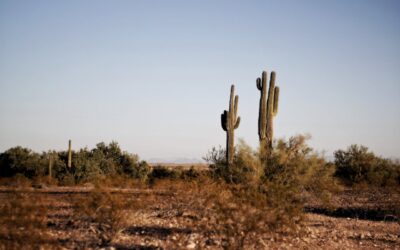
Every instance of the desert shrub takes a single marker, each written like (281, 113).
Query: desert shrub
(103, 212)
(231, 213)
(271, 196)
(190, 174)
(19, 160)
(108, 160)
(297, 166)
(254, 198)
(87, 165)
(161, 172)
(85, 168)
(133, 167)
(245, 168)
(359, 165)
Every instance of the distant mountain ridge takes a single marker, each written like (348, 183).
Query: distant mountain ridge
(179, 160)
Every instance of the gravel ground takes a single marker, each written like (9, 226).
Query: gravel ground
(162, 225)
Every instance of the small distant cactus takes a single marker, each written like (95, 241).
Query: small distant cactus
(69, 155)
(229, 122)
(50, 164)
(268, 110)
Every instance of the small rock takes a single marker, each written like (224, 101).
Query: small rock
(191, 245)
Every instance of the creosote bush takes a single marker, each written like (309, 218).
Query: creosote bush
(272, 193)
(296, 167)
(87, 165)
(359, 165)
(246, 166)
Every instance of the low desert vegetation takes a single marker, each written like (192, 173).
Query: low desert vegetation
(229, 204)
(358, 165)
(290, 158)
(23, 221)
(87, 165)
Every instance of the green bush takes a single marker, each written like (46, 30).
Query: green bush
(295, 168)
(359, 165)
(190, 174)
(87, 165)
(19, 160)
(245, 168)
(134, 168)
(161, 172)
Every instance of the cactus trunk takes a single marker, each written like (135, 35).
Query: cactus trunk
(50, 165)
(229, 122)
(69, 154)
(267, 112)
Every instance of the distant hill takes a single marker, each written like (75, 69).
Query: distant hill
(180, 160)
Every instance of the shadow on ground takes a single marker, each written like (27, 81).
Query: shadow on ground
(356, 213)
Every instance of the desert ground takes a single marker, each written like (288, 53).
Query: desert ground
(159, 217)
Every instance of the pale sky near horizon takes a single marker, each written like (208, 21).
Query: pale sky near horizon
(155, 75)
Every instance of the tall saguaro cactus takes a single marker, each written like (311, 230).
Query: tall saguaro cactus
(229, 122)
(69, 154)
(267, 112)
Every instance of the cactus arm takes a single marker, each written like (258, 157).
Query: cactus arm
(259, 84)
(236, 106)
(223, 120)
(270, 100)
(276, 101)
(231, 111)
(237, 123)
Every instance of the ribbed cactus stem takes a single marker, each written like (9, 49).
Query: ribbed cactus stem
(268, 110)
(69, 154)
(50, 165)
(229, 122)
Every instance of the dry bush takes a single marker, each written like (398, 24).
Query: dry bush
(18, 181)
(295, 167)
(232, 216)
(256, 199)
(23, 222)
(103, 212)
(236, 213)
(246, 167)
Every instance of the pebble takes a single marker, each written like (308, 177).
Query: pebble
(191, 245)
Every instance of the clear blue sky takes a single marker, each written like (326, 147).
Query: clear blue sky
(155, 75)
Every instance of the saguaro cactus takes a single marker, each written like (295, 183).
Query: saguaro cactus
(267, 112)
(69, 154)
(50, 164)
(229, 122)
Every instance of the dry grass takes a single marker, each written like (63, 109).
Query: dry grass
(178, 214)
(231, 215)
(23, 221)
(103, 212)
